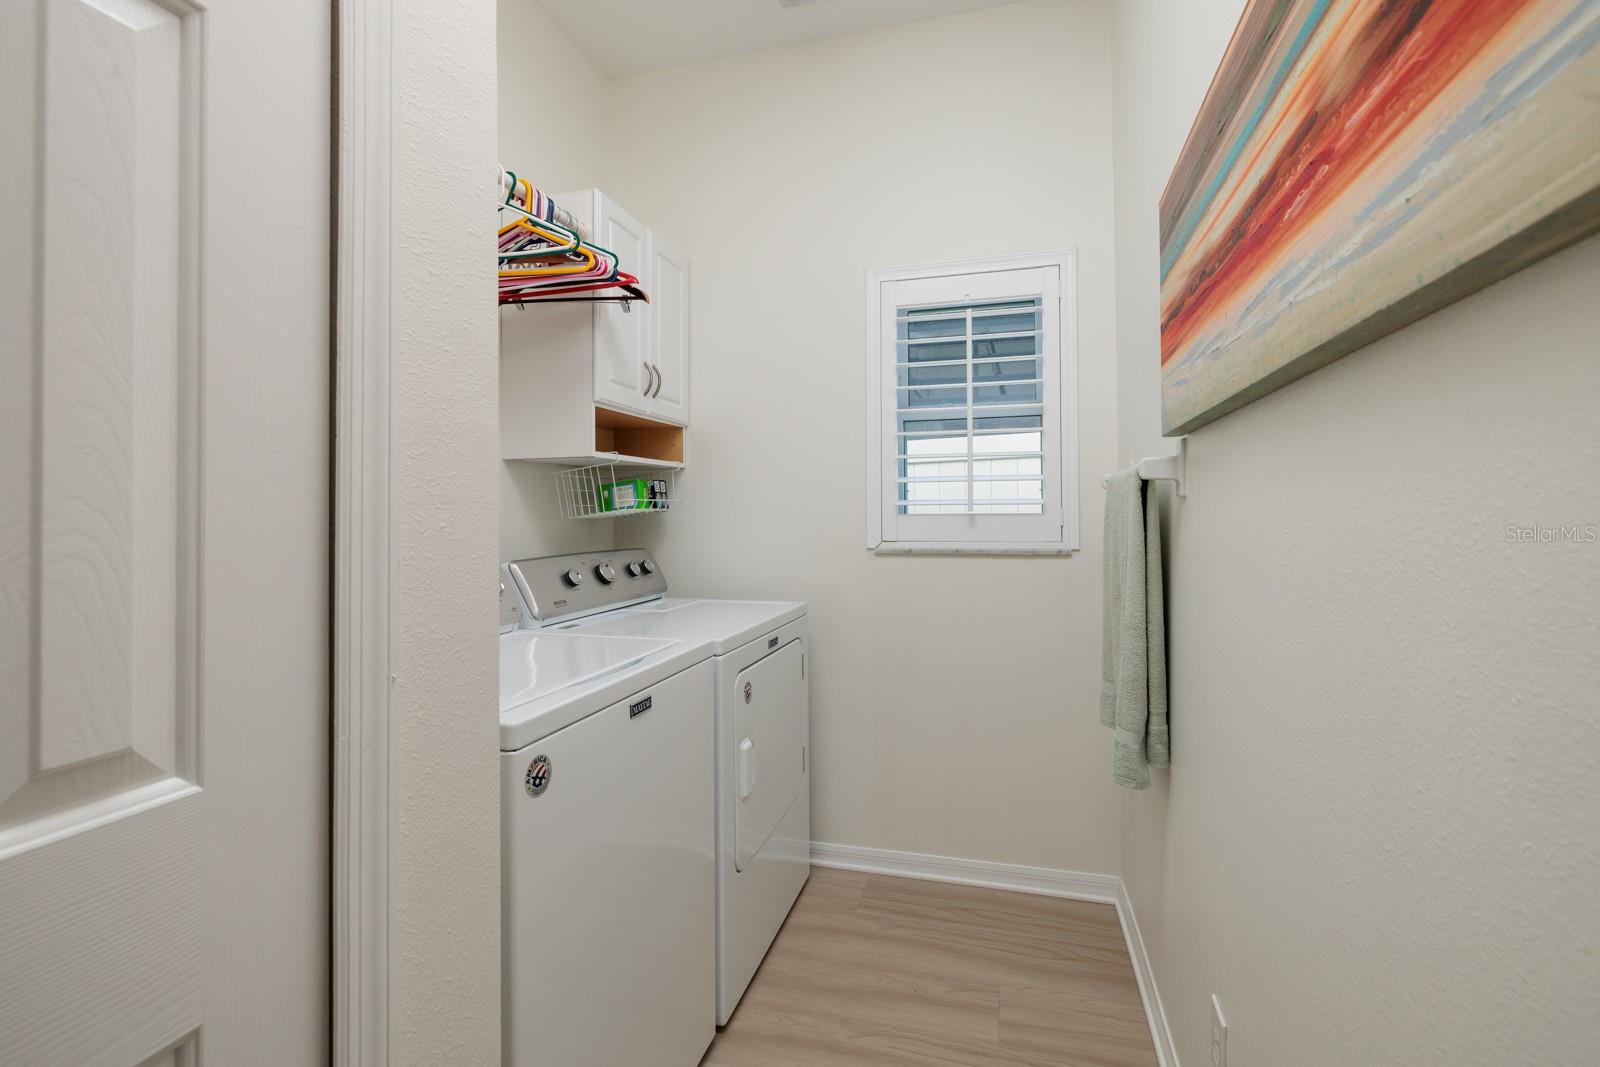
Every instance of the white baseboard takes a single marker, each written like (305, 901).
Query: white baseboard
(1041, 880)
(1154, 1013)
(1044, 881)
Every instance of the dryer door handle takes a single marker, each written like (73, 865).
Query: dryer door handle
(747, 768)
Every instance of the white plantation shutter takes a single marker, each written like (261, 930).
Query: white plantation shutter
(969, 408)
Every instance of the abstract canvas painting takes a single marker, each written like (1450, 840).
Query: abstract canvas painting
(1358, 164)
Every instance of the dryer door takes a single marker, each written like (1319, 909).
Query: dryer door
(769, 741)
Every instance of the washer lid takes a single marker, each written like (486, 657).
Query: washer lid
(551, 680)
(534, 663)
(727, 624)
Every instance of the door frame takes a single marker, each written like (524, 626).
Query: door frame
(364, 530)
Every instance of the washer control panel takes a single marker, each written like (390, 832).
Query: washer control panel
(552, 588)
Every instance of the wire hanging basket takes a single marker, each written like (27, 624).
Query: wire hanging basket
(615, 491)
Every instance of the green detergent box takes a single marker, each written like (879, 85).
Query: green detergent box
(629, 494)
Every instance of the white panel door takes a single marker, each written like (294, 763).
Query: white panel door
(163, 532)
(669, 326)
(621, 333)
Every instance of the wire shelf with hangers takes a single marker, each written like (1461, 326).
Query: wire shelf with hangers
(546, 257)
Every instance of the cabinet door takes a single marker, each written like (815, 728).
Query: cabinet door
(669, 329)
(621, 336)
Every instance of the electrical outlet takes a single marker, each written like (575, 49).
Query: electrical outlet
(1219, 1034)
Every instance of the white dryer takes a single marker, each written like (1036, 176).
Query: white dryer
(759, 652)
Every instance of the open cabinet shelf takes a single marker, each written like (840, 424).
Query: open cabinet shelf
(636, 437)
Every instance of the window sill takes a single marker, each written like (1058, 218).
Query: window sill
(919, 549)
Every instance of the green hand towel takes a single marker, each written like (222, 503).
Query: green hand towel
(1133, 694)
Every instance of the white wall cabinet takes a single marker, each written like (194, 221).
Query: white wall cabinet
(641, 355)
(580, 381)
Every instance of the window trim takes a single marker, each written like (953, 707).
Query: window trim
(1065, 261)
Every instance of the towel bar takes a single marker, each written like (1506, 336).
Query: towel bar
(1162, 468)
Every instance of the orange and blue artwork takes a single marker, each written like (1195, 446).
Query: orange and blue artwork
(1358, 164)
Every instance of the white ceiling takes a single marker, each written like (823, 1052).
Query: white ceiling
(627, 36)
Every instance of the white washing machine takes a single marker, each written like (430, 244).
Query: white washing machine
(607, 849)
(762, 728)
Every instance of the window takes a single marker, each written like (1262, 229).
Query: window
(971, 415)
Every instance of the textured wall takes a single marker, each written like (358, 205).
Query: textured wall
(444, 909)
(1379, 840)
(553, 108)
(953, 701)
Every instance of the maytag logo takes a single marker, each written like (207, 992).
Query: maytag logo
(639, 707)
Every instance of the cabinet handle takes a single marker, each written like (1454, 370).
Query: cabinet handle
(656, 373)
(649, 381)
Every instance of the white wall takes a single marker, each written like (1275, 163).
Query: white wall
(1379, 840)
(444, 904)
(953, 700)
(553, 113)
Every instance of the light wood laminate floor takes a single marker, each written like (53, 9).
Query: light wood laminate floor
(888, 972)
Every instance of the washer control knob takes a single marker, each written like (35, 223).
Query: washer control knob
(634, 570)
(606, 573)
(647, 566)
(574, 577)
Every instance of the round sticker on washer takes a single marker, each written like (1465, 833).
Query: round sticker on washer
(538, 777)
